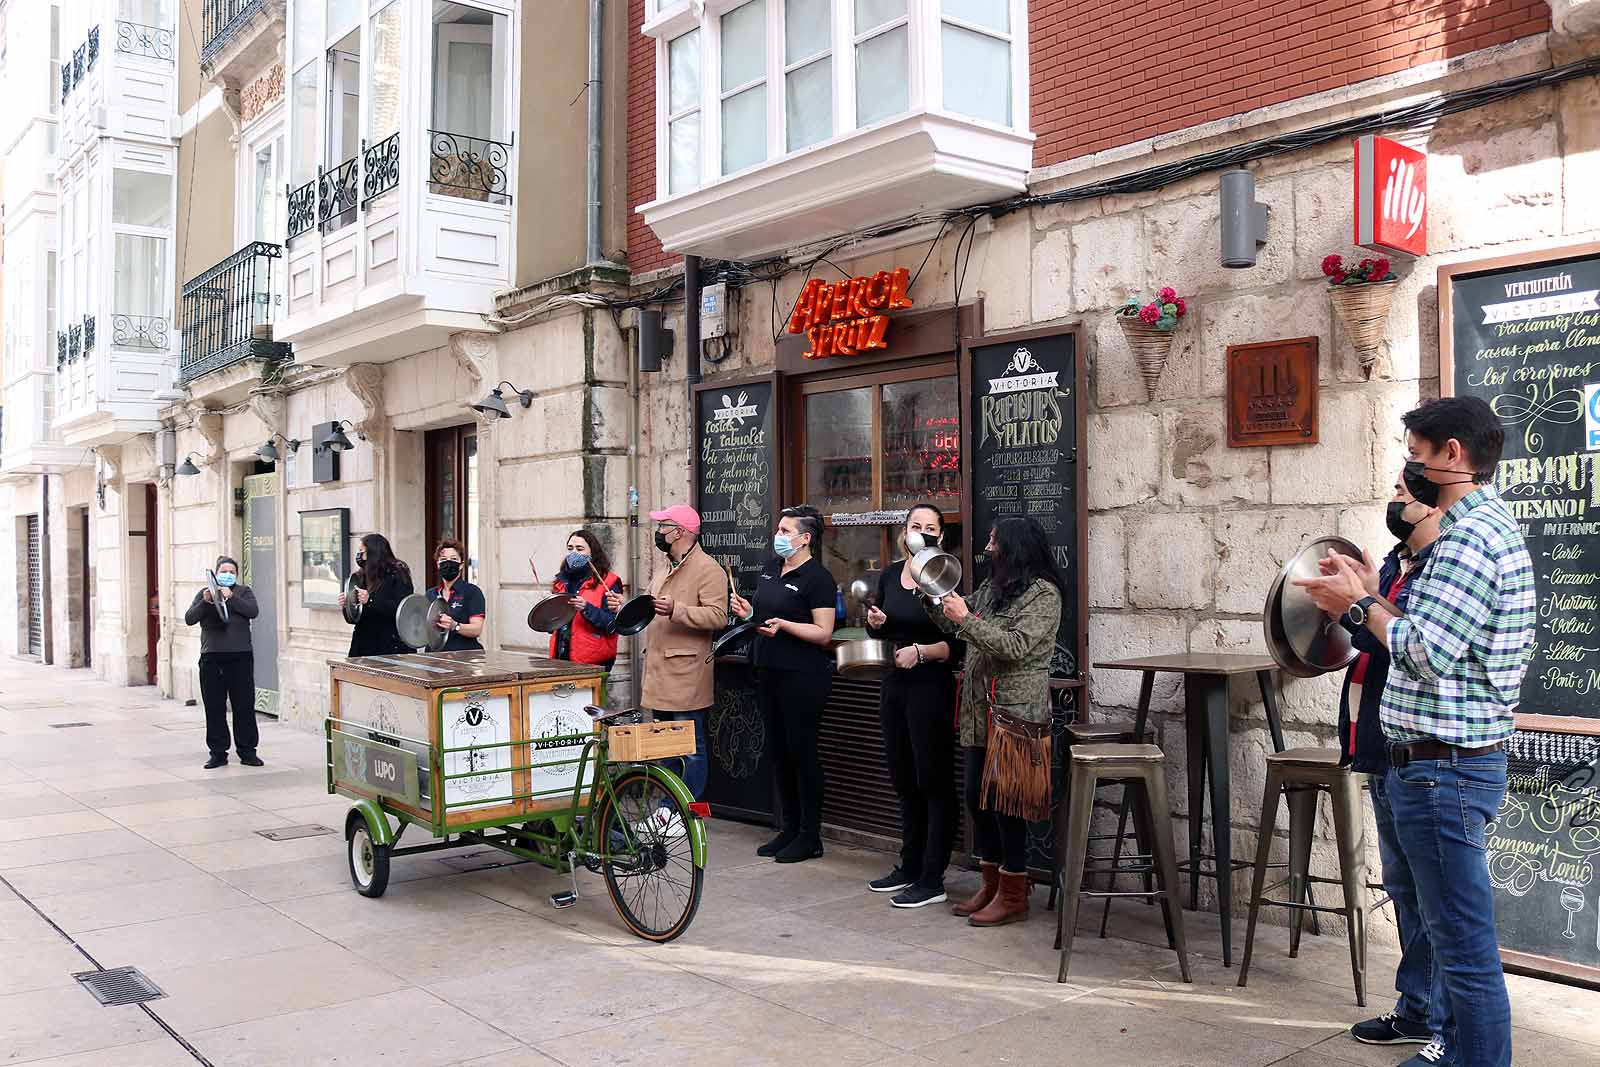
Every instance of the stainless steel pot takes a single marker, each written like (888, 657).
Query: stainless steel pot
(352, 604)
(870, 659)
(935, 572)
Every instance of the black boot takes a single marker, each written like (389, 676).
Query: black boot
(250, 759)
(216, 761)
(777, 844)
(803, 847)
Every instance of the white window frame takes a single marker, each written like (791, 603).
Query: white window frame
(166, 235)
(670, 116)
(666, 20)
(831, 54)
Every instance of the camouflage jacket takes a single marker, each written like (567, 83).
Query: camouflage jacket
(1008, 657)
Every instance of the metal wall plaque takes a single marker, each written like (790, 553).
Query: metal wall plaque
(375, 766)
(1272, 393)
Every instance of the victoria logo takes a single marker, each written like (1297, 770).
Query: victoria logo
(1022, 372)
(734, 411)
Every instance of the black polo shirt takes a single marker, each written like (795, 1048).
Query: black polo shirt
(793, 596)
(466, 603)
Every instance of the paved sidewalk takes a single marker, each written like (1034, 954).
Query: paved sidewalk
(137, 856)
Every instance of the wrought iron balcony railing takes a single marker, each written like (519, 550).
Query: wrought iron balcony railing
(140, 331)
(336, 194)
(88, 334)
(228, 312)
(302, 213)
(61, 349)
(80, 62)
(94, 45)
(150, 42)
(66, 81)
(473, 168)
(74, 342)
(221, 20)
(380, 167)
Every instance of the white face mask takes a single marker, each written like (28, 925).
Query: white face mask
(916, 541)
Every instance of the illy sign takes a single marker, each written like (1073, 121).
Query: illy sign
(1391, 196)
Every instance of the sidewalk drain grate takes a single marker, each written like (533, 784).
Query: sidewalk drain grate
(68, 725)
(121, 985)
(290, 833)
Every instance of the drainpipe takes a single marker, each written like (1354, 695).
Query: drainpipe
(597, 17)
(46, 607)
(691, 323)
(635, 568)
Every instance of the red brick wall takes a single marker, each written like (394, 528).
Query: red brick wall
(644, 251)
(1106, 74)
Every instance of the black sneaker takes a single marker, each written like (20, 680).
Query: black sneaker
(917, 896)
(216, 761)
(776, 845)
(252, 760)
(1430, 1055)
(1391, 1029)
(800, 849)
(892, 882)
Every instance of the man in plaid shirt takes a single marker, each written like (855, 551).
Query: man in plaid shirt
(1458, 653)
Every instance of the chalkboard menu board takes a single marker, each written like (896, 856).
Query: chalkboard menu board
(1543, 850)
(1523, 333)
(735, 464)
(1026, 394)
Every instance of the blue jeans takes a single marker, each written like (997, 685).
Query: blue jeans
(1419, 983)
(1439, 809)
(697, 767)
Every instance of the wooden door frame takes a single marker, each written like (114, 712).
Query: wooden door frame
(430, 530)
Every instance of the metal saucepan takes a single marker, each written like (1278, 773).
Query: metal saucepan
(1303, 640)
(216, 595)
(436, 636)
(635, 615)
(935, 572)
(739, 634)
(352, 604)
(871, 659)
(551, 613)
(411, 621)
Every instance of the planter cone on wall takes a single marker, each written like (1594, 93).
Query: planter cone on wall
(1364, 310)
(1150, 349)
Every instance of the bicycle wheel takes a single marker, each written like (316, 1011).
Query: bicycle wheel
(647, 860)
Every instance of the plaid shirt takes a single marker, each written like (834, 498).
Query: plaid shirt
(1460, 650)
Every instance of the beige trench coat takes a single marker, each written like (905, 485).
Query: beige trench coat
(676, 674)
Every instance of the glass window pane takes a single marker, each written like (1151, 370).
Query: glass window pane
(851, 552)
(977, 75)
(872, 13)
(921, 443)
(343, 14)
(308, 33)
(744, 129)
(140, 272)
(995, 14)
(807, 29)
(808, 104)
(683, 72)
(470, 53)
(683, 154)
(303, 125)
(744, 44)
(839, 450)
(139, 198)
(883, 82)
(383, 73)
(146, 12)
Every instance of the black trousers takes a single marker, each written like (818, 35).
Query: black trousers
(229, 678)
(995, 837)
(917, 712)
(791, 706)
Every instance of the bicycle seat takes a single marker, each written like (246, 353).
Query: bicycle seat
(601, 715)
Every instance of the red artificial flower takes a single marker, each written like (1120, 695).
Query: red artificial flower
(1332, 265)
(1182, 307)
(1380, 269)
(1149, 314)
(1339, 277)
(1168, 295)
(1364, 264)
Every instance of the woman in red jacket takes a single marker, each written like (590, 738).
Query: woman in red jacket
(588, 638)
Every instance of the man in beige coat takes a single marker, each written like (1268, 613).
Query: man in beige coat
(691, 605)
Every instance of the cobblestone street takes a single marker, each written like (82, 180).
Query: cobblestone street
(117, 849)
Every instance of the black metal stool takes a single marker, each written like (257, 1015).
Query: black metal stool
(1140, 769)
(1103, 733)
(1303, 773)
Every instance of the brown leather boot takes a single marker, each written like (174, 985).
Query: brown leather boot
(980, 900)
(1010, 904)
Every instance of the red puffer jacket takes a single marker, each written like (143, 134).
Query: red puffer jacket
(589, 632)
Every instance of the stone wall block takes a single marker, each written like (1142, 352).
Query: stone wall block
(1004, 278)
(1106, 567)
(1186, 241)
(1311, 700)
(1199, 469)
(1389, 405)
(1340, 467)
(546, 356)
(1252, 548)
(1364, 526)
(1052, 276)
(1119, 636)
(1124, 462)
(1300, 311)
(1322, 215)
(1492, 187)
(1172, 560)
(1108, 261)
(1115, 377)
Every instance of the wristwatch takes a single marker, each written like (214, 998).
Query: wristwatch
(1358, 611)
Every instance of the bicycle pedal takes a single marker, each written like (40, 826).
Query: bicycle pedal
(564, 899)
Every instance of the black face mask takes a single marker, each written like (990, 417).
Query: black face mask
(662, 543)
(361, 559)
(1395, 518)
(449, 569)
(1425, 491)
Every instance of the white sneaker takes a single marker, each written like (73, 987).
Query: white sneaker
(660, 823)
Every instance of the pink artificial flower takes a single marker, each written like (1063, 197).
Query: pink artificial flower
(1332, 265)
(1168, 295)
(1149, 314)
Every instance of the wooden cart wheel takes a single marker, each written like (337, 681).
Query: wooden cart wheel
(649, 868)
(369, 862)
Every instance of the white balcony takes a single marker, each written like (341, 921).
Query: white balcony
(401, 216)
(119, 72)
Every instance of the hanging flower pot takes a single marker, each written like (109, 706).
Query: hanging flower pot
(1361, 298)
(1149, 328)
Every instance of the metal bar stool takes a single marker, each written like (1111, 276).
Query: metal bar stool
(1303, 773)
(1140, 769)
(1104, 733)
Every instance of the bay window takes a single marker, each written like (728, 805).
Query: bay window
(469, 138)
(141, 217)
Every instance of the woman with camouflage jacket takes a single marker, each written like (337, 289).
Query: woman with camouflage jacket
(1010, 633)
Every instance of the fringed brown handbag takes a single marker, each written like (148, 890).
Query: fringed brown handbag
(1016, 769)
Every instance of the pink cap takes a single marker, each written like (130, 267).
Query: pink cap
(682, 514)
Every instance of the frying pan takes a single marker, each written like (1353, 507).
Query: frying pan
(551, 613)
(733, 637)
(436, 636)
(216, 595)
(352, 605)
(411, 621)
(635, 615)
(1301, 637)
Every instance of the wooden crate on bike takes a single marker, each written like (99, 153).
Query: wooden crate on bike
(637, 742)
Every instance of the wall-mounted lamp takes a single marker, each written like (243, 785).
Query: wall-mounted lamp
(268, 453)
(1244, 219)
(334, 440)
(495, 403)
(187, 469)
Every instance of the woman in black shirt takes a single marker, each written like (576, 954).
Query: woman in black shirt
(917, 711)
(386, 582)
(795, 598)
(465, 607)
